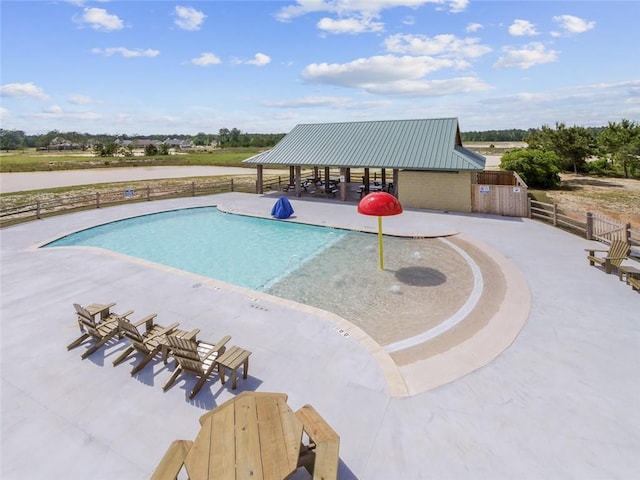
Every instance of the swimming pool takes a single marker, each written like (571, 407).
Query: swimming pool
(246, 251)
(332, 269)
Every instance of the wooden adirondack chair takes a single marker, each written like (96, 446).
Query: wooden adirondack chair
(101, 331)
(194, 356)
(617, 252)
(149, 342)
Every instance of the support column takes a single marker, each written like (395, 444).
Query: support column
(344, 173)
(298, 184)
(260, 188)
(395, 182)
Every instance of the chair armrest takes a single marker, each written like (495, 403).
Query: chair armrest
(123, 315)
(164, 331)
(219, 347)
(192, 334)
(148, 320)
(593, 250)
(145, 320)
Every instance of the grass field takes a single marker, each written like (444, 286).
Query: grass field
(33, 161)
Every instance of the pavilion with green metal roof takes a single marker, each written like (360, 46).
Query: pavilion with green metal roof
(426, 156)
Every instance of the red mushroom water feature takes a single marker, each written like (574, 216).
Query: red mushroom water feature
(380, 204)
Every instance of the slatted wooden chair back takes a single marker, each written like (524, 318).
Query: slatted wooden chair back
(185, 351)
(86, 323)
(84, 317)
(618, 251)
(128, 330)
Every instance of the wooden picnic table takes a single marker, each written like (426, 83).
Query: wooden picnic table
(254, 435)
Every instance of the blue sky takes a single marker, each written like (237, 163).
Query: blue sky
(144, 67)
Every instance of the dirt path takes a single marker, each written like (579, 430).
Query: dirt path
(22, 181)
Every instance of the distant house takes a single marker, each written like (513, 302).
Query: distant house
(177, 143)
(145, 142)
(430, 167)
(60, 143)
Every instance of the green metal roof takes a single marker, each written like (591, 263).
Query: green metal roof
(427, 144)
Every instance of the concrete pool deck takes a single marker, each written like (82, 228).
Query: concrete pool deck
(559, 402)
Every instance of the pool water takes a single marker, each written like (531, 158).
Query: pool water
(332, 269)
(246, 251)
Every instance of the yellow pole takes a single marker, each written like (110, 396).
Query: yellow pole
(380, 243)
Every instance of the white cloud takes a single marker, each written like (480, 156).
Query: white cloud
(409, 20)
(189, 18)
(58, 113)
(206, 59)
(522, 28)
(372, 8)
(528, 56)
(259, 59)
(126, 52)
(80, 100)
(445, 45)
(28, 89)
(4, 113)
(349, 25)
(377, 69)
(474, 27)
(573, 25)
(100, 19)
(308, 102)
(54, 110)
(393, 75)
(430, 88)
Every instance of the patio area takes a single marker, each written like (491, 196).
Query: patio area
(560, 401)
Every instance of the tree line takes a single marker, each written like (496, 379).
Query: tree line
(225, 138)
(613, 150)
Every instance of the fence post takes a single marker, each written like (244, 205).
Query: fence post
(193, 189)
(148, 193)
(555, 215)
(589, 226)
(38, 209)
(627, 233)
(97, 199)
(232, 185)
(529, 208)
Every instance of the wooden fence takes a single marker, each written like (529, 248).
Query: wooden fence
(500, 193)
(64, 204)
(591, 226)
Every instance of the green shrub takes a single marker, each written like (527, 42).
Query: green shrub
(538, 168)
(600, 167)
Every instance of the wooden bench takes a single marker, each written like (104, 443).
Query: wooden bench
(320, 457)
(232, 359)
(173, 460)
